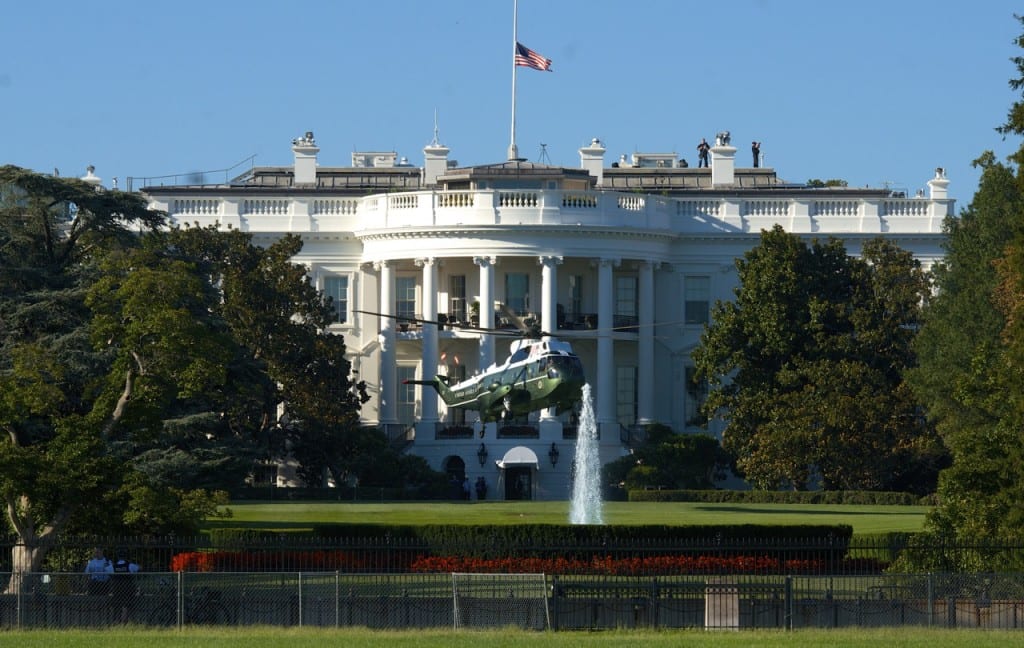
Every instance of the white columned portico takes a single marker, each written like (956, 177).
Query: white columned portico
(645, 345)
(486, 308)
(428, 395)
(388, 390)
(548, 312)
(606, 402)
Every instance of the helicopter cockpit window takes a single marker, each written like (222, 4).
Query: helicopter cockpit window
(520, 354)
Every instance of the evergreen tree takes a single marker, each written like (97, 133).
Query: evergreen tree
(969, 348)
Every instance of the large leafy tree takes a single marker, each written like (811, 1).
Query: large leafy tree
(139, 370)
(970, 351)
(54, 458)
(806, 367)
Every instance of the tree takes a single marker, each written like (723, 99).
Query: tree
(969, 348)
(53, 459)
(806, 367)
(141, 370)
(670, 460)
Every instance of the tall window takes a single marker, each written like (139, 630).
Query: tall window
(456, 373)
(575, 297)
(336, 287)
(625, 389)
(625, 301)
(405, 296)
(517, 292)
(406, 398)
(696, 394)
(698, 295)
(457, 298)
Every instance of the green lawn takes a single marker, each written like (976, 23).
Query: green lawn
(358, 638)
(865, 519)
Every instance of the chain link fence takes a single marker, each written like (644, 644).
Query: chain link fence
(57, 600)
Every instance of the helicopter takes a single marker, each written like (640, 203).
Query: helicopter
(540, 372)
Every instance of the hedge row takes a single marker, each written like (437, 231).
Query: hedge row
(776, 497)
(543, 540)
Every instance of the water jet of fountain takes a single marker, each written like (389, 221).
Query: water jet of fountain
(586, 507)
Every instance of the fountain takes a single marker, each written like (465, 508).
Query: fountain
(586, 507)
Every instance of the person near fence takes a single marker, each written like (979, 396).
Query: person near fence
(99, 569)
(481, 488)
(124, 588)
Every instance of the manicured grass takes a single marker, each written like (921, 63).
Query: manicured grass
(865, 519)
(358, 638)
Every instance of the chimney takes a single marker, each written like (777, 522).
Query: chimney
(91, 179)
(938, 187)
(592, 159)
(435, 162)
(305, 150)
(723, 161)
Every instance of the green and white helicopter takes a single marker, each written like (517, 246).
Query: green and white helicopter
(540, 372)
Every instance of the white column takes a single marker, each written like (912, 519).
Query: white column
(606, 401)
(388, 390)
(548, 308)
(486, 308)
(549, 293)
(645, 345)
(428, 395)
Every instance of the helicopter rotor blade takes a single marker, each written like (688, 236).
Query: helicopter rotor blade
(501, 332)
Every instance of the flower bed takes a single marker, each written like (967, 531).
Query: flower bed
(237, 561)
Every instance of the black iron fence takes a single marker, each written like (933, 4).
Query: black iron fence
(528, 601)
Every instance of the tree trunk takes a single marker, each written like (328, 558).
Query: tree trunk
(26, 558)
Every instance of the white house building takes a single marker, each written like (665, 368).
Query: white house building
(623, 261)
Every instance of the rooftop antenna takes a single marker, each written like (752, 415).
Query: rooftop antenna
(544, 159)
(434, 142)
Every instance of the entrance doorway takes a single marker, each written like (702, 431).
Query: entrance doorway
(519, 483)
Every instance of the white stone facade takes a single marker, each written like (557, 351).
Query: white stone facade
(623, 262)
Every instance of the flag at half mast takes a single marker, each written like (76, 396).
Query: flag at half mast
(526, 57)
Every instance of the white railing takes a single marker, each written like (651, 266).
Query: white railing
(541, 208)
(195, 207)
(836, 207)
(335, 207)
(266, 206)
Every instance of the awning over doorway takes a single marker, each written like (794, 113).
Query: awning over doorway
(518, 456)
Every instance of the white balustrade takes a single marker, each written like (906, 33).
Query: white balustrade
(191, 207)
(266, 206)
(517, 199)
(904, 207)
(560, 208)
(836, 207)
(335, 206)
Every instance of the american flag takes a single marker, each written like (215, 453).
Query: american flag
(526, 57)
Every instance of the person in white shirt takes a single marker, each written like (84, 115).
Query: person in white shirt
(99, 569)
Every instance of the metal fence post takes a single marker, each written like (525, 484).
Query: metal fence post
(179, 601)
(788, 622)
(300, 599)
(931, 599)
(337, 599)
(554, 602)
(19, 587)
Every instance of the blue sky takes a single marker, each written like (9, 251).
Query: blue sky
(872, 92)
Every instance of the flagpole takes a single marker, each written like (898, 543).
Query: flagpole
(513, 151)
